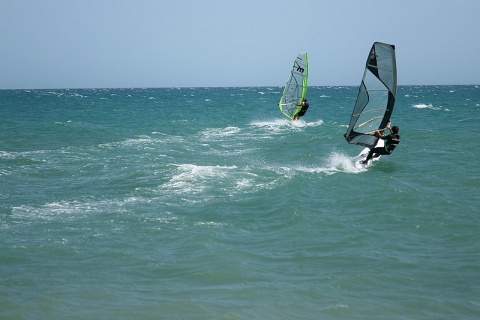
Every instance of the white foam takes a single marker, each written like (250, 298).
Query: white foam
(191, 178)
(220, 132)
(143, 142)
(244, 183)
(51, 210)
(196, 183)
(276, 125)
(79, 209)
(7, 155)
(315, 123)
(425, 106)
(337, 162)
(272, 123)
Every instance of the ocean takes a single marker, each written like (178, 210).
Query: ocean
(208, 203)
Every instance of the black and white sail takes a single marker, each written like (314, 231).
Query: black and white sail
(376, 96)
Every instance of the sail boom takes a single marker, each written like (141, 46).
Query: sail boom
(370, 90)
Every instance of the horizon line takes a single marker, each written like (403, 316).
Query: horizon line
(189, 87)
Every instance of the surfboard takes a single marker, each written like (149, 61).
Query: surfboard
(364, 153)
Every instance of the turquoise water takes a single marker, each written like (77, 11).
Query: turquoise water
(206, 203)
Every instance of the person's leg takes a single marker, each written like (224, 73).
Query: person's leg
(378, 151)
(370, 154)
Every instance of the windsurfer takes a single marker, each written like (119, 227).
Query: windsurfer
(304, 104)
(391, 141)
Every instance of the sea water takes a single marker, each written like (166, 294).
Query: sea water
(207, 203)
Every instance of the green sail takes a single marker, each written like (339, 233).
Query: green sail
(296, 87)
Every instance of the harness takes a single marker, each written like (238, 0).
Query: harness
(391, 142)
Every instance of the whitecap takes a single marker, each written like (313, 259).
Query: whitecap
(280, 124)
(425, 106)
(220, 132)
(315, 123)
(338, 162)
(191, 178)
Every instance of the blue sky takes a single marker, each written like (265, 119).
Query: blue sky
(141, 43)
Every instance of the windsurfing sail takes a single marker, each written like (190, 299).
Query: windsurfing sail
(376, 96)
(296, 87)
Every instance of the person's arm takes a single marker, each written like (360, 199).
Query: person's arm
(379, 132)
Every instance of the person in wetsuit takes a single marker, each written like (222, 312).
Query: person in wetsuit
(391, 141)
(302, 111)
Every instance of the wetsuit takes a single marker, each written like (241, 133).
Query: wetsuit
(304, 109)
(391, 142)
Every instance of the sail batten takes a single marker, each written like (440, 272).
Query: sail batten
(376, 96)
(296, 87)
